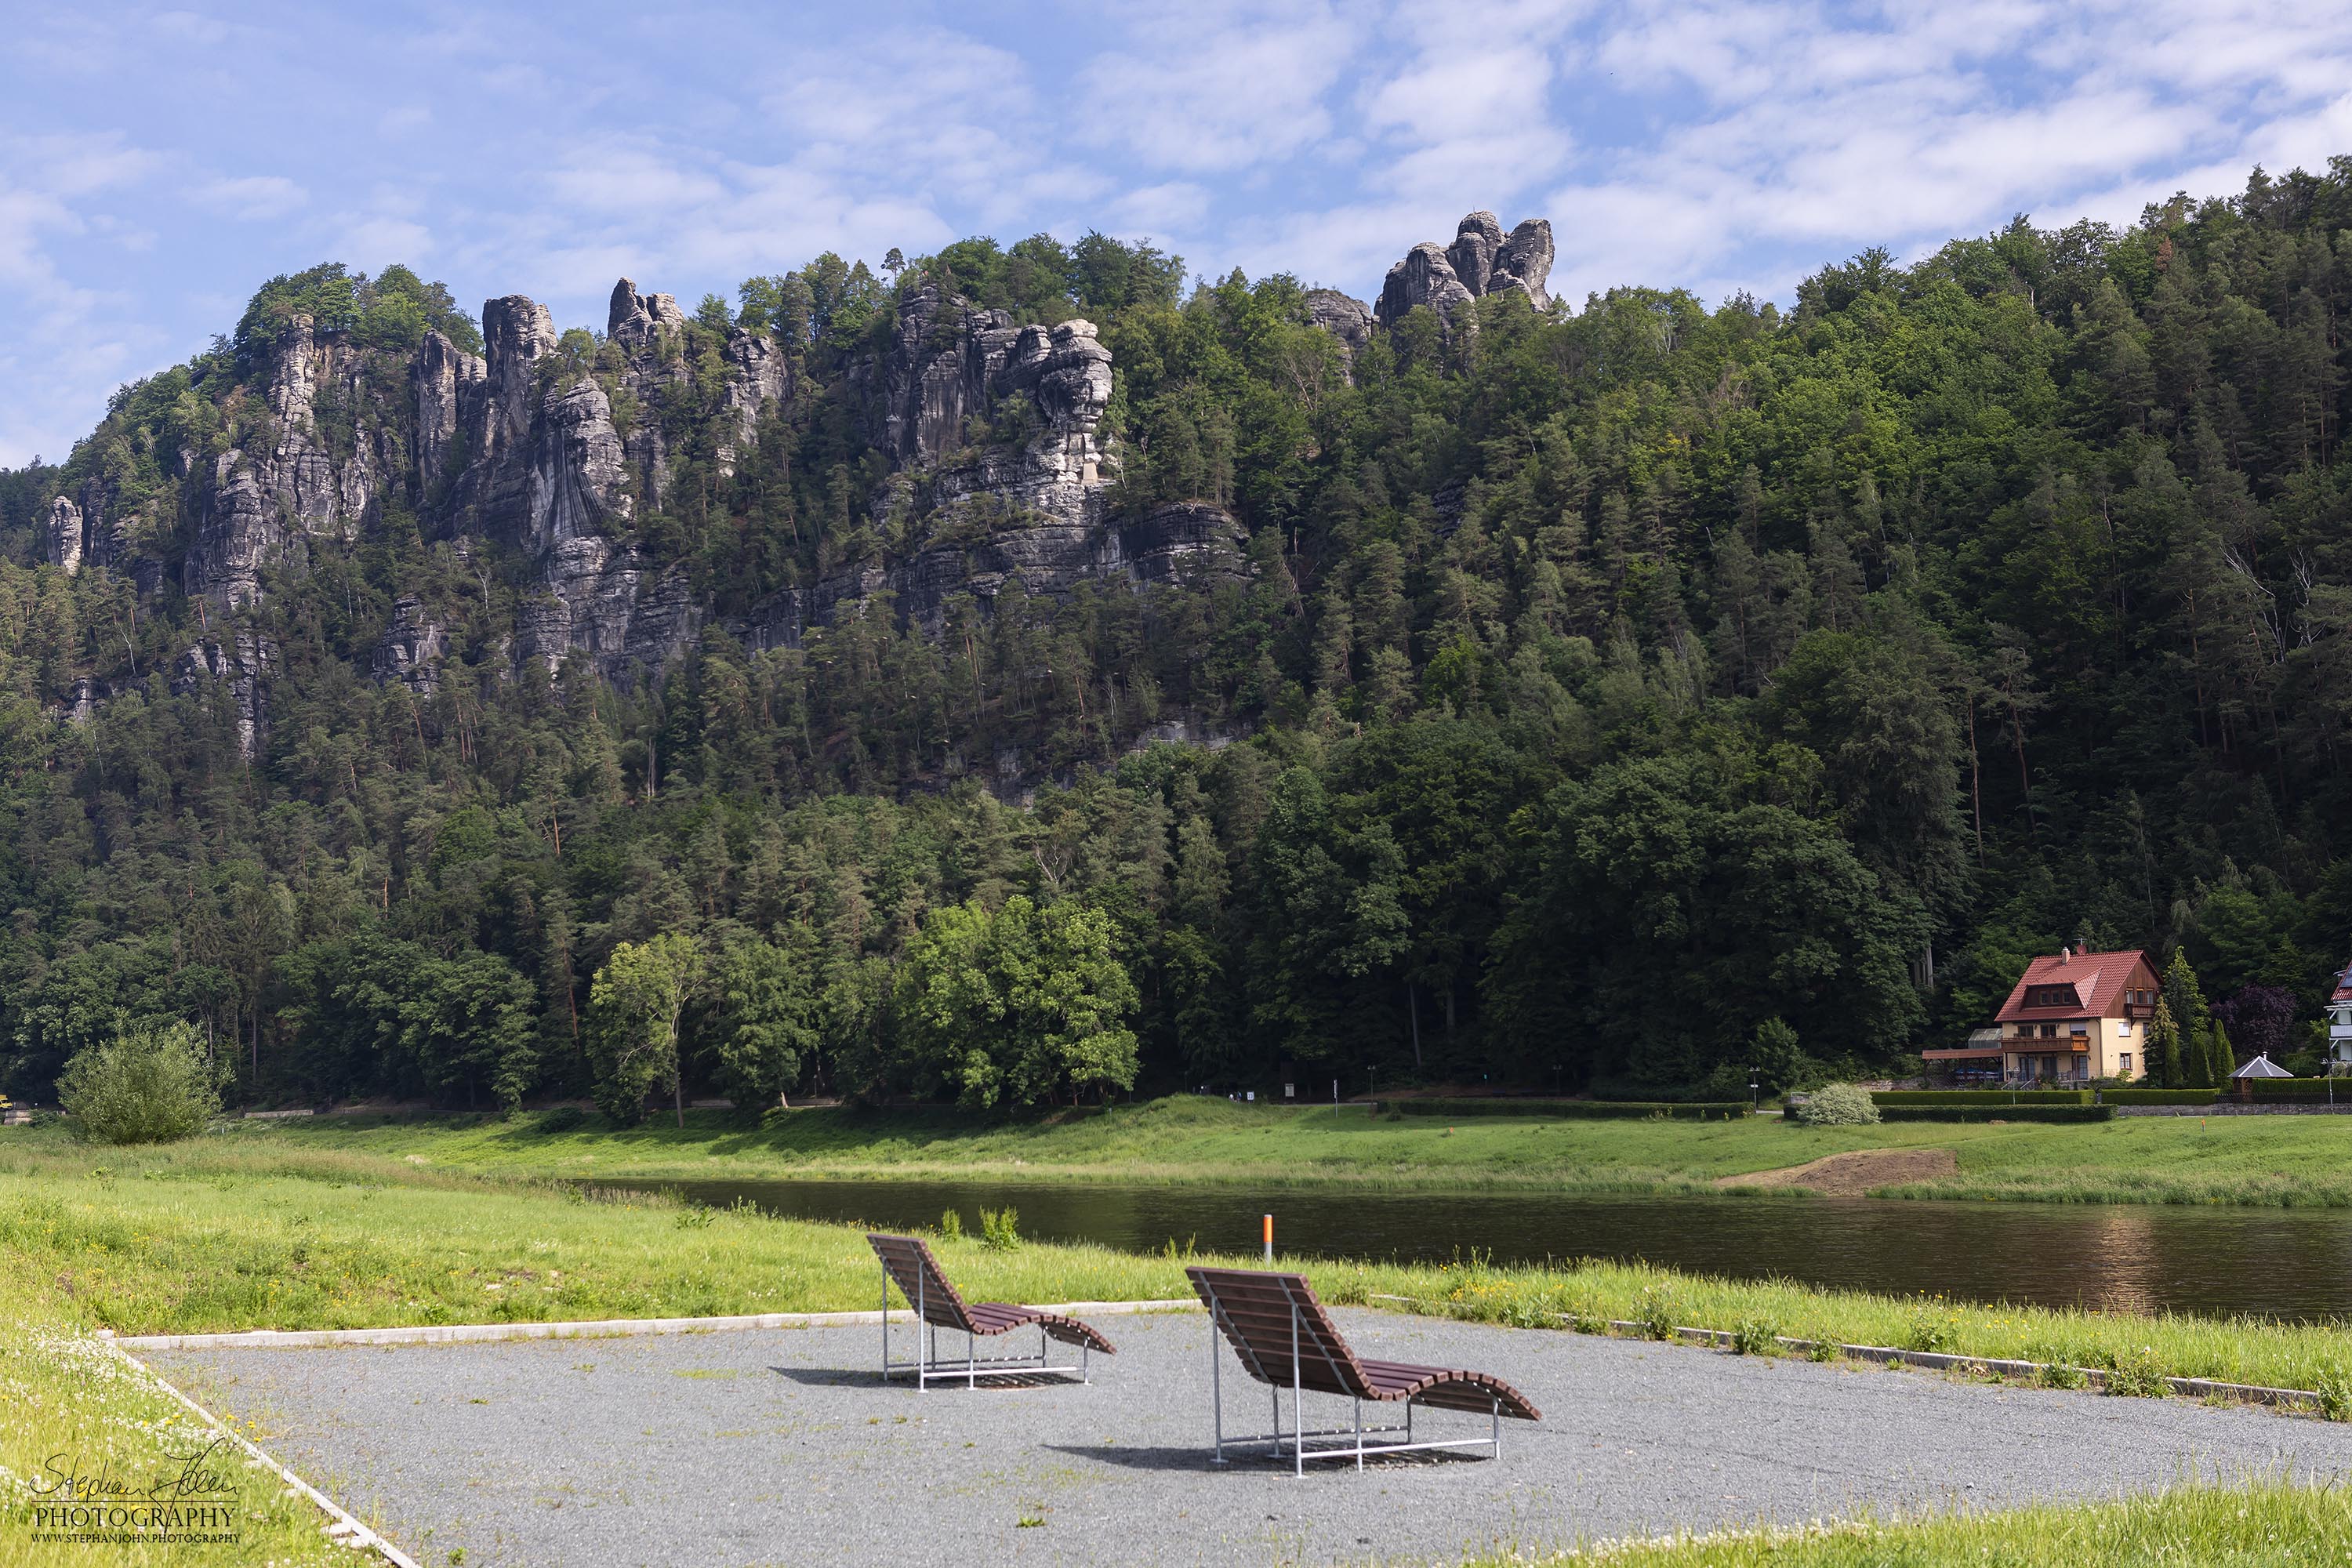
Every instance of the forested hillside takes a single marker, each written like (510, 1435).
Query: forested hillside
(1012, 675)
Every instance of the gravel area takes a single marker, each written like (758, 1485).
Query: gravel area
(785, 1447)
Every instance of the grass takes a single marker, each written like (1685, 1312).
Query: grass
(75, 1406)
(233, 1232)
(2266, 1524)
(223, 1235)
(2268, 1161)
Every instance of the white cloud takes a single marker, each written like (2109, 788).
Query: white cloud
(254, 196)
(1217, 87)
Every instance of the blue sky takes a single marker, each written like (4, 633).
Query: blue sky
(157, 165)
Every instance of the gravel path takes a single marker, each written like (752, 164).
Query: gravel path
(784, 1448)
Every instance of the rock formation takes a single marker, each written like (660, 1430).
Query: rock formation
(240, 668)
(1479, 262)
(61, 536)
(411, 649)
(1347, 319)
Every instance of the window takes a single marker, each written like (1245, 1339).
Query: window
(2123, 1064)
(2124, 1028)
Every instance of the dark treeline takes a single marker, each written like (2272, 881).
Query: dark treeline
(1608, 684)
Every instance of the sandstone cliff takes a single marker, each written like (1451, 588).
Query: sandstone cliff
(997, 468)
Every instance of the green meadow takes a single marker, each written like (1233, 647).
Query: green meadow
(2266, 1160)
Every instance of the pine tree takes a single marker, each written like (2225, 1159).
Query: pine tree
(2163, 1047)
(2187, 998)
(2220, 1060)
(2195, 1051)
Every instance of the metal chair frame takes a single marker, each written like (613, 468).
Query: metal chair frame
(928, 1368)
(1354, 1447)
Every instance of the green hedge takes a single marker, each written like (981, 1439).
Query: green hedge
(1594, 1110)
(2294, 1089)
(1887, 1097)
(2159, 1096)
(1996, 1112)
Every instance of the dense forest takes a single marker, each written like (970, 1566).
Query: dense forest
(1591, 686)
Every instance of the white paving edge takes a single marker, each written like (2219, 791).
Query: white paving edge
(345, 1529)
(460, 1334)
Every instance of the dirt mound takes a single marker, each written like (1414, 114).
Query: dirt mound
(1854, 1174)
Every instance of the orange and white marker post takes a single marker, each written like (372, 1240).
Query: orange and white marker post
(1269, 1239)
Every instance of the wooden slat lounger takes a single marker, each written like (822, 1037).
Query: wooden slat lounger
(1282, 1335)
(908, 1263)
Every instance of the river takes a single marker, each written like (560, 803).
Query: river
(2282, 1263)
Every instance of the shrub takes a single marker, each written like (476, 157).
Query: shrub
(151, 1084)
(1656, 1314)
(1997, 1112)
(562, 1119)
(1886, 1098)
(1756, 1336)
(2137, 1374)
(1933, 1331)
(1838, 1105)
(951, 1227)
(2333, 1386)
(999, 1229)
(2159, 1096)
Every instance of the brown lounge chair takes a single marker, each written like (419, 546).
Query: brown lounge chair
(1282, 1335)
(908, 1263)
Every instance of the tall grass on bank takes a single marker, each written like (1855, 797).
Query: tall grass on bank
(2265, 1524)
(201, 1238)
(73, 1405)
(2251, 1160)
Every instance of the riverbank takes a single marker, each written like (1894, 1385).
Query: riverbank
(2270, 1524)
(2283, 1162)
(214, 1236)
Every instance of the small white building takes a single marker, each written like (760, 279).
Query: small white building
(2339, 1024)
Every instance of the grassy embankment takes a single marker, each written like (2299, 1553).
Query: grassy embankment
(2274, 1161)
(215, 1235)
(229, 1232)
(2263, 1525)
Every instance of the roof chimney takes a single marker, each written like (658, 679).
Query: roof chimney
(2065, 955)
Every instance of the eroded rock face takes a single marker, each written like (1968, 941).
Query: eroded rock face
(411, 649)
(1525, 260)
(1347, 319)
(635, 320)
(333, 444)
(1472, 254)
(1425, 277)
(239, 535)
(241, 665)
(448, 384)
(62, 541)
(955, 374)
(1479, 262)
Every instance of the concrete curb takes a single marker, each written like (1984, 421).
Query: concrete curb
(608, 1327)
(344, 1531)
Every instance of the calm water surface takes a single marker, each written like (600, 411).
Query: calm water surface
(2282, 1263)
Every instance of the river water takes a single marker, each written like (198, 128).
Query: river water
(2282, 1263)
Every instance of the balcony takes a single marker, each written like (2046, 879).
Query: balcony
(2029, 1044)
(2137, 1011)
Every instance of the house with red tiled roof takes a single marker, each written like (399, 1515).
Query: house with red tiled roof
(2074, 1016)
(2339, 1024)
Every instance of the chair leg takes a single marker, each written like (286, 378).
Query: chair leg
(1497, 1439)
(1216, 1397)
(1359, 1432)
